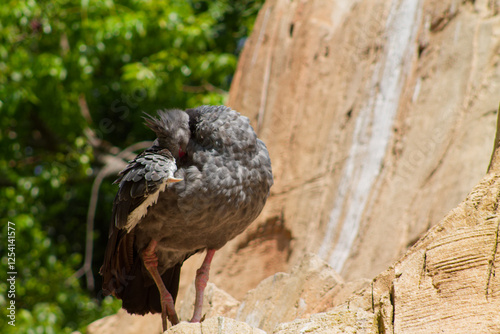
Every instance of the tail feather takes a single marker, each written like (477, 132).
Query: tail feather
(141, 295)
(125, 277)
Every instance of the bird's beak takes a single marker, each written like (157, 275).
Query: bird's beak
(174, 180)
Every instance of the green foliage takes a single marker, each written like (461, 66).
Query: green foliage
(69, 68)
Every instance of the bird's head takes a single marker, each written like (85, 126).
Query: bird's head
(172, 129)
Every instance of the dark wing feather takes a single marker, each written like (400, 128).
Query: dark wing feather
(141, 178)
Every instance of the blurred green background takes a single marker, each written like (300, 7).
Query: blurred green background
(75, 77)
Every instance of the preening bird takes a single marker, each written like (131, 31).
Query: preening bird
(203, 181)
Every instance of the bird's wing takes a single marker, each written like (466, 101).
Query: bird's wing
(140, 184)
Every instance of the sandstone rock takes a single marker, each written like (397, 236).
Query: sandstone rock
(378, 116)
(216, 302)
(125, 323)
(446, 283)
(310, 287)
(346, 320)
(217, 325)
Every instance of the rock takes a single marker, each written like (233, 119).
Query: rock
(346, 320)
(216, 302)
(216, 325)
(125, 323)
(310, 287)
(446, 283)
(379, 117)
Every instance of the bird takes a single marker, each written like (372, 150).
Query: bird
(203, 181)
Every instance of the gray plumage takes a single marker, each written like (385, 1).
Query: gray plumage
(226, 177)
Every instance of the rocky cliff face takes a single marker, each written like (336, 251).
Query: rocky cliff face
(380, 118)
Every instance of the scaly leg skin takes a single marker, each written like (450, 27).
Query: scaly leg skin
(150, 260)
(201, 283)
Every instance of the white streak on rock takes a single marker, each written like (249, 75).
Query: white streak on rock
(373, 130)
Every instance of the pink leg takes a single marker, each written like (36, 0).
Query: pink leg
(201, 283)
(150, 260)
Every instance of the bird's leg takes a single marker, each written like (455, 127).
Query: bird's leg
(150, 260)
(200, 284)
